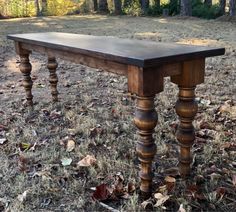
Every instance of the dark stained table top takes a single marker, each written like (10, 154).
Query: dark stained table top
(128, 51)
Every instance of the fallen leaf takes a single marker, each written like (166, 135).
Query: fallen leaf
(66, 161)
(169, 179)
(162, 189)
(22, 163)
(220, 192)
(70, 146)
(181, 208)
(131, 187)
(101, 193)
(89, 160)
(3, 140)
(227, 108)
(22, 197)
(161, 199)
(147, 204)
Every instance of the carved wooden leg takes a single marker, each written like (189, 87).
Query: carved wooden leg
(145, 120)
(25, 68)
(53, 79)
(186, 108)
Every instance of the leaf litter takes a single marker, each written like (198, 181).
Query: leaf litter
(95, 105)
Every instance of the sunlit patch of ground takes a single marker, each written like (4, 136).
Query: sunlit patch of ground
(96, 112)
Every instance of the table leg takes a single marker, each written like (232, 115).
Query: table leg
(53, 79)
(25, 68)
(145, 120)
(186, 108)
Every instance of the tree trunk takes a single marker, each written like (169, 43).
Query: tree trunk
(127, 3)
(157, 3)
(232, 7)
(44, 7)
(208, 3)
(117, 4)
(95, 5)
(36, 3)
(144, 5)
(186, 8)
(222, 6)
(103, 6)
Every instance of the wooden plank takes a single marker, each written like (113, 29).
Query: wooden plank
(131, 52)
(110, 66)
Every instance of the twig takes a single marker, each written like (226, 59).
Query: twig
(108, 207)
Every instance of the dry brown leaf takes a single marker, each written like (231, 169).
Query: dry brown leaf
(102, 192)
(147, 204)
(169, 179)
(70, 145)
(131, 187)
(161, 199)
(162, 189)
(89, 160)
(231, 110)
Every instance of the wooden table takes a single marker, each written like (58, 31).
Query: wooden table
(145, 64)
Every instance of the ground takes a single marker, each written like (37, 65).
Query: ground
(95, 111)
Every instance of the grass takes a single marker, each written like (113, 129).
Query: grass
(96, 111)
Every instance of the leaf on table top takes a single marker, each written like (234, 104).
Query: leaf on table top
(89, 160)
(66, 161)
(70, 146)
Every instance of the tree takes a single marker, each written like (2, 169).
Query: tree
(232, 7)
(44, 6)
(157, 3)
(144, 5)
(222, 6)
(103, 6)
(186, 8)
(208, 3)
(36, 3)
(117, 4)
(95, 5)
(127, 3)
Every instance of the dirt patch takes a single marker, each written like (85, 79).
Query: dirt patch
(96, 112)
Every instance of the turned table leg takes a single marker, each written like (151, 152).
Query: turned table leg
(25, 68)
(145, 120)
(53, 79)
(192, 74)
(186, 108)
